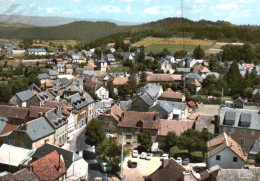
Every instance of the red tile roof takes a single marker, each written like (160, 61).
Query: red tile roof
(172, 95)
(114, 111)
(120, 81)
(8, 128)
(47, 167)
(191, 104)
(13, 112)
(178, 127)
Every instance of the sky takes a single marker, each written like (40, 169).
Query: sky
(138, 11)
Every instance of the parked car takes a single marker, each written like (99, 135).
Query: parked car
(143, 155)
(135, 154)
(185, 161)
(179, 160)
(164, 156)
(148, 156)
(105, 166)
(131, 164)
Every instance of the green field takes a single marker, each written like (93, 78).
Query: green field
(118, 69)
(10, 62)
(172, 48)
(217, 46)
(65, 42)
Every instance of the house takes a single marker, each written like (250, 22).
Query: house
(49, 167)
(146, 98)
(110, 119)
(69, 69)
(73, 87)
(193, 76)
(42, 97)
(111, 58)
(61, 68)
(205, 121)
(23, 174)
(256, 95)
(170, 58)
(37, 51)
(76, 166)
(18, 52)
(83, 107)
(59, 123)
(165, 66)
(242, 124)
(97, 87)
(183, 70)
(14, 158)
(78, 58)
(31, 135)
(201, 70)
(34, 88)
(171, 170)
(128, 56)
(195, 83)
(255, 150)
(60, 83)
(170, 95)
(178, 127)
(132, 123)
(6, 127)
(239, 102)
(43, 78)
(25, 99)
(170, 110)
(192, 106)
(53, 94)
(225, 152)
(87, 53)
(160, 78)
(53, 74)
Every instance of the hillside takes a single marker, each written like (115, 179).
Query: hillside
(82, 30)
(170, 27)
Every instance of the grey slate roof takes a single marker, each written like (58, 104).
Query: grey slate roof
(79, 101)
(256, 148)
(43, 76)
(43, 97)
(36, 50)
(194, 76)
(68, 156)
(153, 90)
(185, 70)
(162, 61)
(74, 86)
(55, 118)
(25, 95)
(177, 105)
(235, 114)
(147, 99)
(39, 128)
(33, 86)
(53, 72)
(110, 56)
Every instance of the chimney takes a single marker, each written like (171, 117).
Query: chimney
(40, 114)
(165, 162)
(31, 169)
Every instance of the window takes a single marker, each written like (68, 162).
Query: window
(218, 157)
(128, 137)
(243, 131)
(242, 141)
(253, 133)
(233, 130)
(234, 159)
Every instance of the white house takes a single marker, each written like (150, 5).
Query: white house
(225, 152)
(165, 66)
(37, 51)
(78, 58)
(18, 52)
(102, 92)
(170, 58)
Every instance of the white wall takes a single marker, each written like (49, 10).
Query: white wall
(226, 160)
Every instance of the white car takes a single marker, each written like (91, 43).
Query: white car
(143, 155)
(179, 160)
(164, 156)
(148, 156)
(135, 154)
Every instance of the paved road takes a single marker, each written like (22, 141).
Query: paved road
(78, 141)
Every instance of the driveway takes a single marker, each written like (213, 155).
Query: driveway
(144, 168)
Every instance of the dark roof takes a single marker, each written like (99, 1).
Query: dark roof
(194, 76)
(25, 95)
(25, 174)
(56, 118)
(13, 112)
(172, 171)
(79, 100)
(33, 86)
(43, 76)
(68, 156)
(39, 128)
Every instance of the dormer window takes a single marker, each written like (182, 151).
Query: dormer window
(230, 118)
(245, 120)
(140, 124)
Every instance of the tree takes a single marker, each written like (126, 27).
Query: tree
(27, 43)
(95, 133)
(5, 93)
(198, 53)
(5, 64)
(143, 77)
(145, 140)
(234, 79)
(170, 141)
(257, 159)
(109, 150)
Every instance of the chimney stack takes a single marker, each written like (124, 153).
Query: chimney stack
(165, 162)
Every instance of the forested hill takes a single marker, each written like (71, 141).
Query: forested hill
(90, 31)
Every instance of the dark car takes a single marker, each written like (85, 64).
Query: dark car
(131, 164)
(186, 161)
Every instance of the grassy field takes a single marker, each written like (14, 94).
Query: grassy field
(118, 69)
(66, 42)
(10, 62)
(172, 44)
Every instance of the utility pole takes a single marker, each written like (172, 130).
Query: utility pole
(122, 156)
